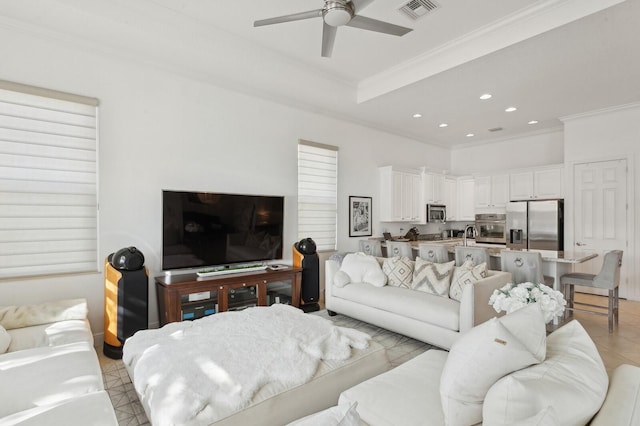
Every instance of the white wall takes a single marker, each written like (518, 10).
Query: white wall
(607, 135)
(163, 131)
(526, 151)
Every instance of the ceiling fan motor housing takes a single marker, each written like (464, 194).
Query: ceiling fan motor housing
(337, 13)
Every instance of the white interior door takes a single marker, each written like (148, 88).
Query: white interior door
(600, 214)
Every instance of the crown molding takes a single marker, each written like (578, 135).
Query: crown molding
(601, 111)
(524, 24)
(555, 129)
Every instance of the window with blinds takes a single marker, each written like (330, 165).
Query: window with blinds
(48, 182)
(318, 193)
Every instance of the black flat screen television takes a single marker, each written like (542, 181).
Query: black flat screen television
(205, 229)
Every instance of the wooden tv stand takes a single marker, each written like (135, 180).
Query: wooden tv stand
(181, 295)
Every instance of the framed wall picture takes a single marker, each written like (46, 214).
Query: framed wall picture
(359, 216)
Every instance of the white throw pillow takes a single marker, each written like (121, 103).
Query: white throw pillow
(546, 417)
(465, 275)
(572, 380)
(341, 278)
(399, 271)
(340, 415)
(5, 340)
(483, 355)
(434, 278)
(362, 268)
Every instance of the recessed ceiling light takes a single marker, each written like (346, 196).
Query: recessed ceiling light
(470, 135)
(417, 115)
(533, 122)
(442, 125)
(510, 109)
(486, 96)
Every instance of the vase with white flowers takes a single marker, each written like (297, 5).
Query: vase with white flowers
(512, 297)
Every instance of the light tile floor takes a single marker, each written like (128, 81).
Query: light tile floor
(620, 347)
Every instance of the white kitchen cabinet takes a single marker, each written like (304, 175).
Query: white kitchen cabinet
(548, 183)
(536, 184)
(400, 195)
(434, 187)
(466, 198)
(492, 191)
(450, 197)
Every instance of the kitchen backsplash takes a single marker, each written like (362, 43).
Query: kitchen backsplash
(400, 229)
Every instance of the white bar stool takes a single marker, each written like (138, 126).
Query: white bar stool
(608, 278)
(371, 247)
(399, 248)
(436, 253)
(525, 267)
(477, 254)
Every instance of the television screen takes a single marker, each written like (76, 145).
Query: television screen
(203, 229)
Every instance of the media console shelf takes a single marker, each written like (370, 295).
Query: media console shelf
(189, 296)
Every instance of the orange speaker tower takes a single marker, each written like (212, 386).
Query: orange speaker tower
(126, 294)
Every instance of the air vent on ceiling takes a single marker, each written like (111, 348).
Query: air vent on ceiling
(416, 9)
(496, 129)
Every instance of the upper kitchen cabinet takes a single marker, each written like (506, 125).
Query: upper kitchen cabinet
(458, 197)
(434, 187)
(492, 191)
(400, 195)
(537, 184)
(450, 197)
(466, 198)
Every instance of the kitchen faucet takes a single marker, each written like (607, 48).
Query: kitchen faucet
(464, 236)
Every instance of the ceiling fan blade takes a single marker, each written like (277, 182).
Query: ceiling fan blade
(377, 26)
(288, 18)
(358, 5)
(328, 38)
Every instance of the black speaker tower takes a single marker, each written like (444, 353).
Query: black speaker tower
(305, 257)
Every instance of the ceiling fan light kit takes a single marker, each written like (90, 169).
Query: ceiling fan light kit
(337, 13)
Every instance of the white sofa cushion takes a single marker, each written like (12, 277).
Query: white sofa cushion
(93, 409)
(339, 415)
(406, 395)
(5, 340)
(399, 271)
(341, 278)
(29, 315)
(483, 355)
(417, 305)
(47, 375)
(54, 334)
(466, 274)
(434, 278)
(572, 380)
(362, 268)
(623, 398)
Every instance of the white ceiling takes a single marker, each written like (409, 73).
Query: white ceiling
(549, 58)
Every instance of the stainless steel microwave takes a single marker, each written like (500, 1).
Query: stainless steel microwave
(436, 213)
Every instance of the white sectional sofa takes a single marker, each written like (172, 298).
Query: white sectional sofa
(49, 368)
(504, 372)
(423, 316)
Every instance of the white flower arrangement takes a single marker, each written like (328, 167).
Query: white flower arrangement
(512, 297)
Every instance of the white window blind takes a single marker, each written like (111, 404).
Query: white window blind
(48, 182)
(318, 193)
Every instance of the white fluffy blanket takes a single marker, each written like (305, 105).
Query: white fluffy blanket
(198, 372)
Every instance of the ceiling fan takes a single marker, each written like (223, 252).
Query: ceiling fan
(336, 13)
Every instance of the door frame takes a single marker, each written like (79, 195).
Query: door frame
(632, 287)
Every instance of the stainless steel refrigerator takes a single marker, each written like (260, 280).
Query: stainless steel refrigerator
(535, 225)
